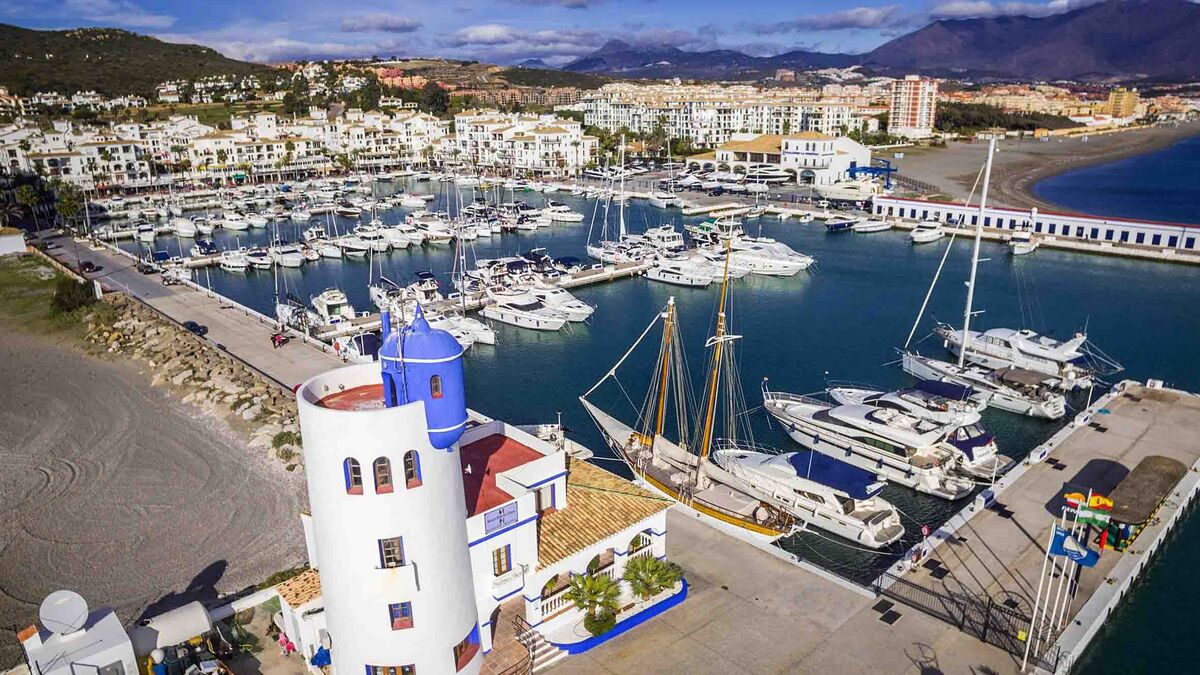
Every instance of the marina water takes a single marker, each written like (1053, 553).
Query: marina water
(840, 321)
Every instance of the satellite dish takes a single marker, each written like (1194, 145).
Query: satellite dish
(63, 612)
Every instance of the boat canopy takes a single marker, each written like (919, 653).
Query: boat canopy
(949, 390)
(821, 468)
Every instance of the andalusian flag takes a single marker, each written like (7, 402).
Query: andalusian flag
(1094, 511)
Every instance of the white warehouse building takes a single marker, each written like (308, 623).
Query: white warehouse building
(433, 528)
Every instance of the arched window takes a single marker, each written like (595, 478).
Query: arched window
(435, 386)
(352, 471)
(412, 469)
(382, 469)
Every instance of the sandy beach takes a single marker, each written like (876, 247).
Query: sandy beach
(1020, 163)
(116, 490)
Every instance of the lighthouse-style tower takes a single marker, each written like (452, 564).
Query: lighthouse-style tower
(388, 513)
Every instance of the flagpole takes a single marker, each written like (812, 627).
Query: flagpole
(1038, 602)
(1045, 613)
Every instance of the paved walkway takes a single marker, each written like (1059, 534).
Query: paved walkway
(243, 335)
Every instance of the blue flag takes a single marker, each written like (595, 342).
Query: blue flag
(1065, 544)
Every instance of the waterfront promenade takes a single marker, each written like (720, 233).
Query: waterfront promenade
(244, 335)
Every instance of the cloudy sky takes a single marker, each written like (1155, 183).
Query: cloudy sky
(508, 31)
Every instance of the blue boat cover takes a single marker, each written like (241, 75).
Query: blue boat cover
(948, 389)
(835, 473)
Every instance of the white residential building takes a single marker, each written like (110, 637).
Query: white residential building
(541, 144)
(912, 109)
(810, 158)
(709, 115)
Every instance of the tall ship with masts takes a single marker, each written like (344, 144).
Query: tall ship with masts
(730, 483)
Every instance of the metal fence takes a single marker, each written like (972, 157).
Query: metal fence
(994, 623)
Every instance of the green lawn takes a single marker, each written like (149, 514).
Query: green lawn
(26, 287)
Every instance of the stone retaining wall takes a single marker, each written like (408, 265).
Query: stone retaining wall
(201, 375)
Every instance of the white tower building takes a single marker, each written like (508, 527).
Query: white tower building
(388, 513)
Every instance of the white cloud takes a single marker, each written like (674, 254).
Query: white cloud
(569, 4)
(273, 42)
(117, 13)
(379, 22)
(977, 9)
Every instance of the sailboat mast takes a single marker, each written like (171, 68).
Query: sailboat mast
(987, 177)
(621, 200)
(666, 360)
(718, 343)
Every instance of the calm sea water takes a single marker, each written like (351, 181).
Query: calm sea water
(842, 320)
(1157, 186)
(1150, 632)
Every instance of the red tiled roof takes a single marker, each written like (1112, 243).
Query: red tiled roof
(482, 460)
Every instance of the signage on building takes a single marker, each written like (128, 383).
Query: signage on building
(500, 518)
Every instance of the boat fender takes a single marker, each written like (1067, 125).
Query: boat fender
(553, 438)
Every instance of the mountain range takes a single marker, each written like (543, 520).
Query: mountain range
(1111, 40)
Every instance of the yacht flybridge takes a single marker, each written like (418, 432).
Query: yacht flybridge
(1071, 362)
(730, 483)
(935, 401)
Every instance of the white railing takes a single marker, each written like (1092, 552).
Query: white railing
(644, 552)
(555, 603)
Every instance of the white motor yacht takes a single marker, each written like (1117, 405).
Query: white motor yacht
(1013, 389)
(234, 261)
(326, 249)
(410, 201)
(682, 272)
(184, 227)
(204, 225)
(521, 309)
(820, 490)
(352, 246)
(1067, 360)
(904, 449)
(768, 257)
(145, 233)
(373, 237)
(260, 258)
(560, 299)
(561, 213)
(927, 231)
(664, 238)
(663, 200)
(1021, 242)
(871, 225)
(234, 221)
(257, 220)
(332, 306)
(287, 255)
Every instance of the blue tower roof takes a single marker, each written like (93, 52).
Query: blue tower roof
(422, 363)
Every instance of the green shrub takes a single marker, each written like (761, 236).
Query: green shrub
(649, 576)
(285, 438)
(70, 295)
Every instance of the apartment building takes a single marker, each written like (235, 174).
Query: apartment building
(913, 107)
(709, 115)
(541, 144)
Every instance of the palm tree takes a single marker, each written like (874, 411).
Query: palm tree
(648, 576)
(594, 594)
(28, 196)
(9, 211)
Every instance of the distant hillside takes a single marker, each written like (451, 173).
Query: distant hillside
(537, 77)
(620, 58)
(1117, 39)
(107, 60)
(1111, 40)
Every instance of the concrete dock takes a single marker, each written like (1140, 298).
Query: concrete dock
(963, 609)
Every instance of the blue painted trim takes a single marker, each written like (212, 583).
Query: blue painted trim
(625, 624)
(514, 526)
(509, 595)
(529, 599)
(547, 480)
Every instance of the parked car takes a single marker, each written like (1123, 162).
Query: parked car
(146, 268)
(88, 267)
(196, 328)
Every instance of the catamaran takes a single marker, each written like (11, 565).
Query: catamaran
(729, 484)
